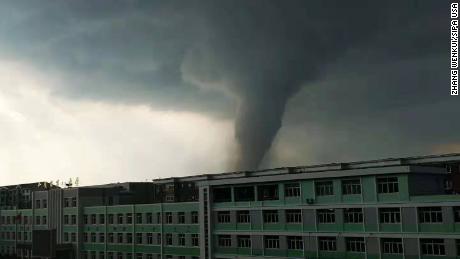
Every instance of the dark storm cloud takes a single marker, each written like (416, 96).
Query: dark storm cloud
(183, 55)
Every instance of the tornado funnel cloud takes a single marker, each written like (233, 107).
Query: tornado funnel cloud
(257, 124)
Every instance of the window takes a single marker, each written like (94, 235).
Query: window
(93, 237)
(327, 243)
(169, 240)
(181, 239)
(129, 238)
(267, 192)
(45, 204)
(272, 242)
(222, 194)
(295, 243)
(169, 198)
(326, 216)
(244, 193)
(432, 247)
(120, 238)
(387, 184)
(74, 201)
(102, 237)
(353, 215)
(149, 238)
(119, 218)
(270, 216)
(390, 215)
(111, 238)
(430, 215)
(292, 190)
(457, 243)
(93, 219)
(223, 216)
(85, 219)
(139, 255)
(324, 188)
(392, 246)
(169, 218)
(85, 237)
(351, 186)
(194, 217)
(138, 238)
(224, 240)
(181, 217)
(355, 244)
(244, 241)
(293, 216)
(158, 238)
(73, 237)
(149, 218)
(101, 219)
(37, 220)
(37, 204)
(138, 218)
(457, 214)
(66, 202)
(243, 216)
(101, 255)
(66, 237)
(110, 219)
(195, 240)
(66, 219)
(129, 218)
(158, 217)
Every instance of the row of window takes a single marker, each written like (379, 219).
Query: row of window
(140, 238)
(322, 188)
(353, 244)
(350, 215)
(353, 186)
(41, 204)
(23, 220)
(120, 255)
(25, 236)
(140, 218)
(70, 202)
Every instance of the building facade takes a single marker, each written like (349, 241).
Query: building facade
(390, 208)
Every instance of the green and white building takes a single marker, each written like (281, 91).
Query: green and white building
(389, 208)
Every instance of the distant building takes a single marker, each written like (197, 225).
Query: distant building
(390, 208)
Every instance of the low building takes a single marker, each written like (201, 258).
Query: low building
(389, 208)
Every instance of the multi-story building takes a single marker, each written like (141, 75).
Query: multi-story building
(391, 208)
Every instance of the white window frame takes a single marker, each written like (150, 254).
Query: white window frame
(351, 186)
(292, 190)
(325, 216)
(271, 242)
(293, 216)
(353, 215)
(390, 215)
(270, 216)
(324, 188)
(295, 243)
(432, 246)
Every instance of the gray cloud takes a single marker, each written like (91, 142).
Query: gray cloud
(349, 65)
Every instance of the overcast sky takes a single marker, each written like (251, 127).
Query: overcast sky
(112, 91)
